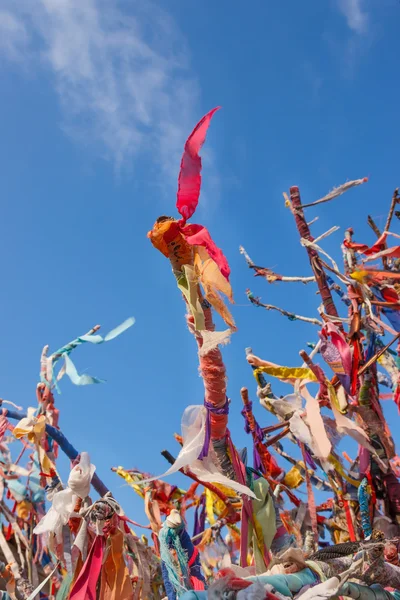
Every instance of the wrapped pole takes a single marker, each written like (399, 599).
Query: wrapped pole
(195, 261)
(212, 368)
(316, 266)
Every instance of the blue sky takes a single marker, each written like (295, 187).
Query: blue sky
(97, 99)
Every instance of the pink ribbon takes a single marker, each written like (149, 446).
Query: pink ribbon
(197, 235)
(340, 343)
(310, 496)
(189, 181)
(85, 586)
(189, 185)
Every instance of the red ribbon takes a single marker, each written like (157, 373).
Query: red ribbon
(364, 249)
(197, 584)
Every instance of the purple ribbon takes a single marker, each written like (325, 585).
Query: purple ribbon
(309, 459)
(199, 519)
(224, 410)
(257, 433)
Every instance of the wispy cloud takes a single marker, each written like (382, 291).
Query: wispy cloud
(351, 48)
(356, 15)
(123, 79)
(13, 36)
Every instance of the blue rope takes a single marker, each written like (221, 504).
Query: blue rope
(169, 538)
(363, 499)
(65, 446)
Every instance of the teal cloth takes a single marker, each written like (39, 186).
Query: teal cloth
(65, 586)
(288, 585)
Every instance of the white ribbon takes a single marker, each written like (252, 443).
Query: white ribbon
(44, 582)
(62, 507)
(193, 426)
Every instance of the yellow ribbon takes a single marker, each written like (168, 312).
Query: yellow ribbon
(334, 398)
(359, 276)
(293, 478)
(34, 429)
(339, 468)
(287, 373)
(23, 509)
(130, 481)
(214, 505)
(210, 507)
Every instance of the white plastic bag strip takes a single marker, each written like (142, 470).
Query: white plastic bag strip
(193, 426)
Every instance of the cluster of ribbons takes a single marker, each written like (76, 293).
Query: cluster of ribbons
(329, 402)
(58, 541)
(237, 526)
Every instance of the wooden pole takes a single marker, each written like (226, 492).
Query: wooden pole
(372, 224)
(212, 367)
(316, 266)
(395, 200)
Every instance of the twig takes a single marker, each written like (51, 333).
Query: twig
(271, 428)
(276, 438)
(291, 316)
(247, 257)
(297, 279)
(395, 200)
(217, 525)
(338, 274)
(378, 234)
(377, 355)
(269, 274)
(374, 226)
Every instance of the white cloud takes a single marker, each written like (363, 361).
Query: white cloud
(355, 14)
(123, 80)
(13, 36)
